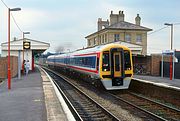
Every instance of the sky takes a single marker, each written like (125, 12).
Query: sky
(66, 23)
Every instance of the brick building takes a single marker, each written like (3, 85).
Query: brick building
(118, 30)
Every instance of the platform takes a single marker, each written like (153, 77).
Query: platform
(28, 101)
(159, 81)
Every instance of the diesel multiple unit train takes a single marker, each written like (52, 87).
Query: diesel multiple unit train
(110, 64)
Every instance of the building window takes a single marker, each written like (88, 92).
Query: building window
(116, 37)
(139, 39)
(94, 41)
(89, 42)
(105, 38)
(128, 38)
(102, 38)
(99, 39)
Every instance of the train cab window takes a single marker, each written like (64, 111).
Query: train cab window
(105, 61)
(117, 63)
(97, 64)
(127, 60)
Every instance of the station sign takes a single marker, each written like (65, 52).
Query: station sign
(27, 45)
(168, 52)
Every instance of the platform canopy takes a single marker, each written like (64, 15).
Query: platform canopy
(18, 45)
(25, 49)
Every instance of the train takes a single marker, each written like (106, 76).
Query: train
(109, 65)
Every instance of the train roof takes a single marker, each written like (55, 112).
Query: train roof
(95, 49)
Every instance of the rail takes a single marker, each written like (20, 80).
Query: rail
(82, 105)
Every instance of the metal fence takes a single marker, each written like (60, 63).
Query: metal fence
(140, 69)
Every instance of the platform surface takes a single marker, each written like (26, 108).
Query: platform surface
(166, 82)
(26, 101)
(54, 107)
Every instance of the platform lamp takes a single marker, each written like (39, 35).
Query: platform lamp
(171, 47)
(9, 68)
(23, 50)
(168, 24)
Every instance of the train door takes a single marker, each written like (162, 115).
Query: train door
(117, 64)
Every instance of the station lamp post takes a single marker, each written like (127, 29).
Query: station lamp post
(24, 34)
(23, 49)
(171, 42)
(171, 47)
(9, 68)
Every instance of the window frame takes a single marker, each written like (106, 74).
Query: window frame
(128, 37)
(116, 37)
(108, 62)
(139, 38)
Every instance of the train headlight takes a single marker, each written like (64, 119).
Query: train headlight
(128, 69)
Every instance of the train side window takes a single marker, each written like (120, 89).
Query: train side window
(105, 61)
(127, 60)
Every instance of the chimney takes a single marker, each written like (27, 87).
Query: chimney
(121, 16)
(102, 24)
(14, 39)
(113, 18)
(138, 20)
(99, 24)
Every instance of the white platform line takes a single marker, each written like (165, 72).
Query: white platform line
(160, 84)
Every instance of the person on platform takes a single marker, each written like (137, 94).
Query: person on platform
(23, 67)
(27, 66)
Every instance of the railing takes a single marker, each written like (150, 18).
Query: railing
(140, 69)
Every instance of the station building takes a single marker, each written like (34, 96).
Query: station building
(26, 48)
(117, 30)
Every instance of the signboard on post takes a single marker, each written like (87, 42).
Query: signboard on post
(168, 52)
(26, 45)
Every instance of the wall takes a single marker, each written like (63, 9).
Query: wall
(110, 38)
(27, 55)
(148, 65)
(155, 63)
(4, 66)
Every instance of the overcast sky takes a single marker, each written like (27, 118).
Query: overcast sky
(67, 22)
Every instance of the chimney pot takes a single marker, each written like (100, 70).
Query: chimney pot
(138, 20)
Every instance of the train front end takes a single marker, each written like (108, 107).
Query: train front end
(115, 67)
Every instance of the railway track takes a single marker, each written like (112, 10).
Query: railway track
(119, 104)
(83, 107)
(164, 112)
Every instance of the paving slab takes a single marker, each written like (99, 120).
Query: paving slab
(25, 100)
(54, 108)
